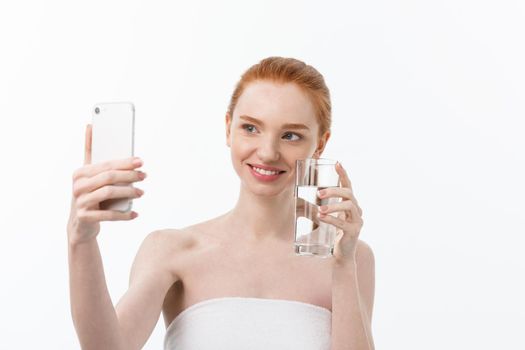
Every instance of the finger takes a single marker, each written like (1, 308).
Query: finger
(110, 177)
(87, 145)
(92, 199)
(337, 207)
(115, 164)
(343, 192)
(356, 213)
(343, 176)
(346, 183)
(106, 215)
(337, 222)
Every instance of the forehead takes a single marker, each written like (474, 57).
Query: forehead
(276, 103)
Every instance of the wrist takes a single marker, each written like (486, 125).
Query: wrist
(345, 261)
(74, 242)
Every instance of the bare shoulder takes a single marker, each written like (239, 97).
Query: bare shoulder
(172, 245)
(170, 239)
(365, 261)
(175, 242)
(163, 241)
(364, 253)
(158, 251)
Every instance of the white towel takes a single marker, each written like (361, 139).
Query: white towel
(241, 323)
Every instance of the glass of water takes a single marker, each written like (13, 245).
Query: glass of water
(312, 236)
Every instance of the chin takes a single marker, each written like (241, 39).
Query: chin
(267, 192)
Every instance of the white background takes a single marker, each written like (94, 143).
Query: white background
(428, 110)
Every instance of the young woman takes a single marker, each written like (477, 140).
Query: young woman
(234, 281)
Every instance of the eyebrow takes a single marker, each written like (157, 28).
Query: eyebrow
(285, 126)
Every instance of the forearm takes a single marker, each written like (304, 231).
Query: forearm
(350, 323)
(93, 313)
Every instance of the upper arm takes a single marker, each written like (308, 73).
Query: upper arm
(139, 308)
(366, 276)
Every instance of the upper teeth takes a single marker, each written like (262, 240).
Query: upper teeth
(265, 172)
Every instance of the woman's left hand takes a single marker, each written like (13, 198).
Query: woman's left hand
(348, 219)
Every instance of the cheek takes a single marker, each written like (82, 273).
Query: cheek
(241, 150)
(301, 153)
(240, 153)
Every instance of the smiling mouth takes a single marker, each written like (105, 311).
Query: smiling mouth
(277, 173)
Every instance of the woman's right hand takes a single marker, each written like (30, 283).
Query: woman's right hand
(94, 183)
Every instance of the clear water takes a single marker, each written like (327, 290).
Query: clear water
(312, 237)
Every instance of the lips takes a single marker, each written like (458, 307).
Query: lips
(265, 178)
(266, 167)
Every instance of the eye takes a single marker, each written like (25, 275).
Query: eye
(292, 133)
(246, 126)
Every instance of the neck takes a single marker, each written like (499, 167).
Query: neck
(258, 218)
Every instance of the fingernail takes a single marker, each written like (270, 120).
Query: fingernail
(320, 193)
(137, 161)
(142, 175)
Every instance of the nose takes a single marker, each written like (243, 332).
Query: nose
(268, 151)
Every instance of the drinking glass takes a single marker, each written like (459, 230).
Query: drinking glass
(312, 236)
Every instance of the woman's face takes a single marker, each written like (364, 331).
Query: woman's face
(273, 124)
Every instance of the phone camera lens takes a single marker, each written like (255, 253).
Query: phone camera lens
(97, 110)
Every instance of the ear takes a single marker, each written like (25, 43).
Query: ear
(228, 120)
(321, 144)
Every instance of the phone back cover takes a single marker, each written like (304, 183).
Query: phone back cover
(112, 138)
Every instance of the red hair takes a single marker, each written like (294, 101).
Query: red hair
(290, 70)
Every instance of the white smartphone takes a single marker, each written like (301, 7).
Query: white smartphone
(113, 134)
